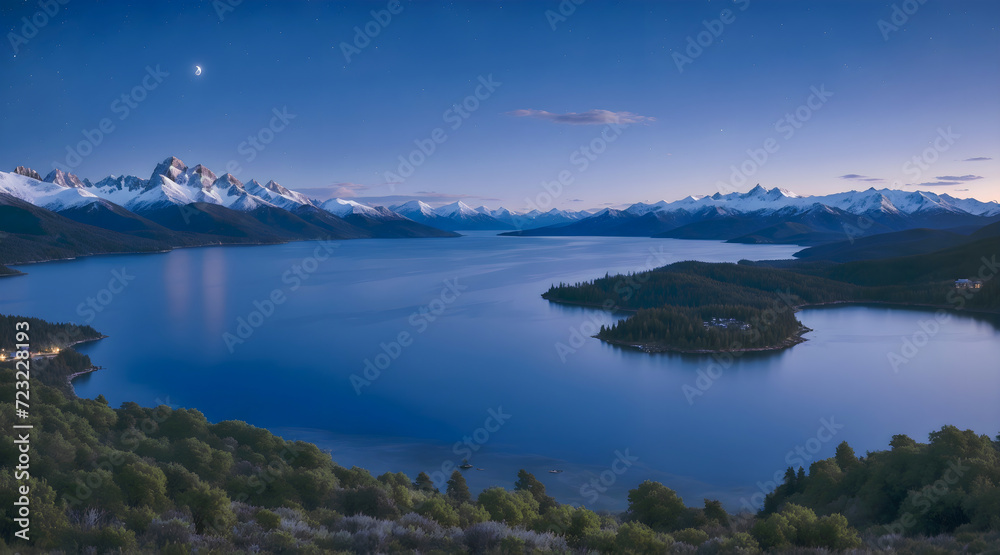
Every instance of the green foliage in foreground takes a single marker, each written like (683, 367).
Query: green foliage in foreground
(948, 485)
(160, 480)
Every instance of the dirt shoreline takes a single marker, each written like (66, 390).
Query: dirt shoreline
(75, 375)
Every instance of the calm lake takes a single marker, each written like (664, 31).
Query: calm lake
(475, 364)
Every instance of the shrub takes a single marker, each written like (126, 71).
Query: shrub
(691, 536)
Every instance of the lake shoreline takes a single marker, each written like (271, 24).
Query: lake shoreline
(93, 368)
(652, 348)
(75, 375)
(786, 343)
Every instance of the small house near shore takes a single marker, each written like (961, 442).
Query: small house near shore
(968, 284)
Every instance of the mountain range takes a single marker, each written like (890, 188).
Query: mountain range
(63, 215)
(780, 216)
(459, 216)
(173, 184)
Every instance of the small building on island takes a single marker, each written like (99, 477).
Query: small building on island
(968, 284)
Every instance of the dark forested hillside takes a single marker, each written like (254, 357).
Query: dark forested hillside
(42, 335)
(714, 306)
(30, 234)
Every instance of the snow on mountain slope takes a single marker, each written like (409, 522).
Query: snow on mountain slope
(231, 194)
(60, 177)
(414, 208)
(341, 207)
(973, 206)
(277, 195)
(886, 201)
(164, 193)
(174, 183)
(48, 195)
(641, 208)
(119, 190)
(457, 208)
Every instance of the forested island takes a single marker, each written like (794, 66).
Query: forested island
(711, 307)
(164, 480)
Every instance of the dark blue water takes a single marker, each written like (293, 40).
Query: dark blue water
(495, 346)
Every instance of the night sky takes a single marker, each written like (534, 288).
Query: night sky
(924, 84)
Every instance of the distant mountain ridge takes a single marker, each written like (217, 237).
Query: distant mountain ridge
(182, 205)
(780, 216)
(64, 216)
(172, 183)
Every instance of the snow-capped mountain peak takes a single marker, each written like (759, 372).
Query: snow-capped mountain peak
(457, 207)
(46, 194)
(414, 207)
(204, 176)
(60, 177)
(172, 168)
(27, 172)
(341, 207)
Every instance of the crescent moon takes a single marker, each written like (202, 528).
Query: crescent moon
(197, 70)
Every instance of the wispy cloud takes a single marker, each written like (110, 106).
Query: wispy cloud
(946, 180)
(958, 177)
(859, 177)
(347, 189)
(977, 159)
(590, 117)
